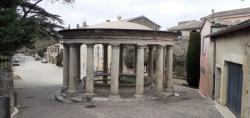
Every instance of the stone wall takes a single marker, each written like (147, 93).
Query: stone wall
(180, 53)
(144, 21)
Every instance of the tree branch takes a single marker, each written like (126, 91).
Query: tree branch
(28, 11)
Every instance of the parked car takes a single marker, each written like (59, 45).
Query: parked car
(15, 63)
(37, 58)
(44, 60)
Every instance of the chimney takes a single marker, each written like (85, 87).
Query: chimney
(77, 26)
(119, 17)
(84, 24)
(212, 11)
(69, 26)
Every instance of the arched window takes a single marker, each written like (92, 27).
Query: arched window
(193, 31)
(179, 33)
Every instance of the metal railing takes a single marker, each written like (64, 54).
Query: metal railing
(4, 107)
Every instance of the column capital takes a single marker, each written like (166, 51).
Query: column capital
(115, 44)
(90, 45)
(141, 46)
(105, 44)
(74, 44)
(171, 46)
(65, 45)
(162, 45)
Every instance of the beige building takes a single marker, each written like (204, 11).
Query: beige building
(142, 20)
(52, 52)
(184, 28)
(231, 57)
(212, 23)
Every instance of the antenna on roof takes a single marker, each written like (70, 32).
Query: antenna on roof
(84, 24)
(69, 26)
(212, 11)
(119, 17)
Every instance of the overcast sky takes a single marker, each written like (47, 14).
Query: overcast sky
(164, 12)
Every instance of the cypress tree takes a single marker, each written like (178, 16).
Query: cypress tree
(193, 60)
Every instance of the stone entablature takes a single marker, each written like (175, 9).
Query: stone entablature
(119, 36)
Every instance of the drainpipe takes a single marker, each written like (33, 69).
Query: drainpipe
(214, 68)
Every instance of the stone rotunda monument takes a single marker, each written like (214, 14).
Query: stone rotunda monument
(117, 34)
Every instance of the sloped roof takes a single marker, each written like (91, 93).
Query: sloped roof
(119, 25)
(135, 18)
(188, 25)
(220, 22)
(229, 12)
(242, 25)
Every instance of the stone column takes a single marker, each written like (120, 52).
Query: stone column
(74, 73)
(65, 67)
(78, 61)
(169, 64)
(140, 71)
(165, 61)
(135, 58)
(159, 69)
(150, 62)
(105, 62)
(121, 59)
(90, 70)
(114, 93)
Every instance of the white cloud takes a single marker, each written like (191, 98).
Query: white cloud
(164, 12)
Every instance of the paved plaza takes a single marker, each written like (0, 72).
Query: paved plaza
(39, 81)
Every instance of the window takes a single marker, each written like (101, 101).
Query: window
(193, 31)
(204, 45)
(179, 33)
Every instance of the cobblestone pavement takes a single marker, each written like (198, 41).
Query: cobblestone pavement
(34, 101)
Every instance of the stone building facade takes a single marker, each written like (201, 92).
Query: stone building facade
(214, 22)
(142, 20)
(230, 63)
(52, 52)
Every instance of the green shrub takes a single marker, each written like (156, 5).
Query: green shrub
(193, 60)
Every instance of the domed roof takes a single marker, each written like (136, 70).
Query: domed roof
(119, 25)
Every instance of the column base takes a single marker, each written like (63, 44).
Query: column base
(139, 96)
(89, 95)
(159, 93)
(71, 93)
(169, 90)
(114, 96)
(64, 89)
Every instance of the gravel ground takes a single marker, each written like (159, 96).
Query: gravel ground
(42, 80)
